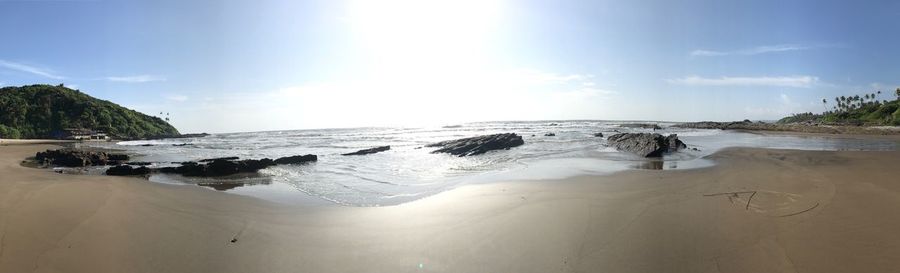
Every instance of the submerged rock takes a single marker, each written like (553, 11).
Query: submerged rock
(598, 134)
(478, 145)
(78, 158)
(549, 134)
(370, 151)
(646, 144)
(297, 159)
(127, 170)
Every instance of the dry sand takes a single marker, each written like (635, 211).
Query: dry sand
(811, 212)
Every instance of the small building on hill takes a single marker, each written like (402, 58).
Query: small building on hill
(80, 134)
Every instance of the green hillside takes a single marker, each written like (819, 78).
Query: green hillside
(41, 111)
(855, 110)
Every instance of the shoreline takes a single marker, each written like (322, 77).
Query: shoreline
(810, 208)
(4, 141)
(807, 128)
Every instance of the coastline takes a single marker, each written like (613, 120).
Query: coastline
(812, 211)
(810, 128)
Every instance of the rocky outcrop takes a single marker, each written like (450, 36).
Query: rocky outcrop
(224, 166)
(78, 158)
(297, 159)
(805, 127)
(646, 144)
(219, 158)
(165, 136)
(478, 145)
(598, 134)
(641, 125)
(127, 170)
(370, 151)
(219, 167)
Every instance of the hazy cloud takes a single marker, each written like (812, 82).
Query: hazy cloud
(751, 51)
(47, 73)
(136, 78)
(783, 81)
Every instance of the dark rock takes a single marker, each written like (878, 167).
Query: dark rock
(674, 143)
(118, 157)
(219, 158)
(641, 125)
(183, 144)
(598, 134)
(127, 170)
(478, 145)
(190, 169)
(253, 165)
(549, 134)
(139, 163)
(177, 136)
(646, 144)
(78, 158)
(219, 167)
(146, 145)
(297, 159)
(370, 151)
(553, 124)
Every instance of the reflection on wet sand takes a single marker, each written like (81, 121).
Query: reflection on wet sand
(657, 165)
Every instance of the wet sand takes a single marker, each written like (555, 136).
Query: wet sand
(758, 210)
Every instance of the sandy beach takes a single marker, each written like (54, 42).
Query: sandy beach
(757, 210)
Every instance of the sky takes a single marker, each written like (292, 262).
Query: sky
(242, 65)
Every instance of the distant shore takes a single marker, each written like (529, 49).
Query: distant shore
(757, 210)
(4, 141)
(747, 125)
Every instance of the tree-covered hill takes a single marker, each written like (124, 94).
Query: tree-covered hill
(855, 110)
(39, 111)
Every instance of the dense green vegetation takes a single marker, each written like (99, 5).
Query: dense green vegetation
(855, 110)
(40, 111)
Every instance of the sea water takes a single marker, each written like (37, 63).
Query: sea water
(409, 171)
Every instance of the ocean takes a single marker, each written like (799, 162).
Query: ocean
(408, 171)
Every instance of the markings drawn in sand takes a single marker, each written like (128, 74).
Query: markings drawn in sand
(771, 204)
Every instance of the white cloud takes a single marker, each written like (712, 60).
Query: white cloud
(178, 98)
(782, 81)
(47, 73)
(136, 78)
(751, 51)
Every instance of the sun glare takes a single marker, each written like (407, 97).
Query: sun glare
(410, 36)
